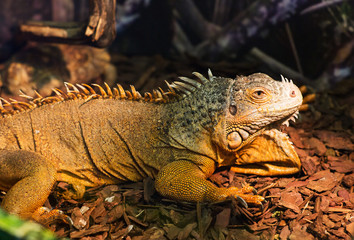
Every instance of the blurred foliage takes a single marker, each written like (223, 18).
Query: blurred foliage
(11, 228)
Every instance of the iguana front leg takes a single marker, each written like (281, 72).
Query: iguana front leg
(184, 180)
(28, 179)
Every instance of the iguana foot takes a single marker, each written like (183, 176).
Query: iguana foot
(244, 196)
(72, 191)
(45, 216)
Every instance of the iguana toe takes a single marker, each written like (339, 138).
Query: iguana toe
(45, 216)
(244, 197)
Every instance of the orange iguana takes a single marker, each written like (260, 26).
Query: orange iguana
(178, 137)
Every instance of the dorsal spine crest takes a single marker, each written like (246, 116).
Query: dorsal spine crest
(176, 91)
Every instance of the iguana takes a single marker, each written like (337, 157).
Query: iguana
(178, 137)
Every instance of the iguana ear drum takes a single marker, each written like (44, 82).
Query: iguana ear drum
(234, 140)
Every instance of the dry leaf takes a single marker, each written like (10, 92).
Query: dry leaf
(291, 200)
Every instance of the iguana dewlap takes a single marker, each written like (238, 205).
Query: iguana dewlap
(178, 137)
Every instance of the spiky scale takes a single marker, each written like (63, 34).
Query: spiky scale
(136, 94)
(26, 105)
(60, 94)
(67, 85)
(121, 91)
(164, 94)
(116, 93)
(89, 88)
(192, 82)
(37, 94)
(129, 95)
(201, 77)
(170, 88)
(16, 106)
(185, 86)
(92, 96)
(148, 97)
(5, 101)
(109, 91)
(50, 100)
(102, 91)
(179, 88)
(210, 74)
(24, 95)
(155, 93)
(72, 95)
(84, 89)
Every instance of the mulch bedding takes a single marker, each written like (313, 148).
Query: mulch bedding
(316, 203)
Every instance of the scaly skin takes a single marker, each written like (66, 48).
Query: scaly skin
(178, 137)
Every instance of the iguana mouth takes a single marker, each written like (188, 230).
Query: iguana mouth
(283, 122)
(240, 136)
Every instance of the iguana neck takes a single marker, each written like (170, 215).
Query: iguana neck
(191, 121)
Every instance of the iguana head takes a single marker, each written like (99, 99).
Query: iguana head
(257, 103)
(256, 108)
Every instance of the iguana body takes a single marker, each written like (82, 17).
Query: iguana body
(177, 137)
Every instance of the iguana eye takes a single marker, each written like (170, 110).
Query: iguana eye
(259, 94)
(233, 109)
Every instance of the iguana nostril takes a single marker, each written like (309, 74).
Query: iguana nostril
(292, 93)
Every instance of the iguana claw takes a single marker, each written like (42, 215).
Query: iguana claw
(242, 201)
(261, 206)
